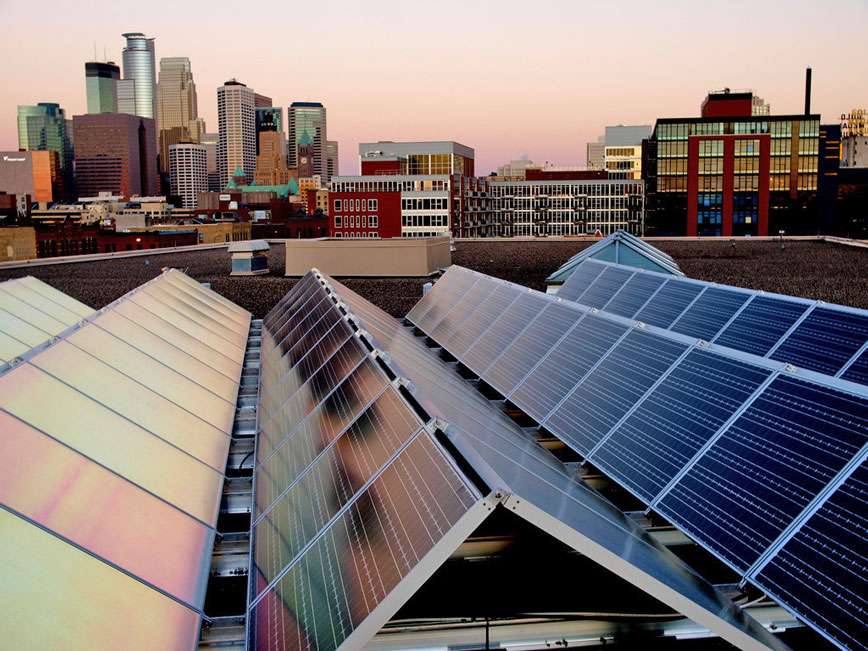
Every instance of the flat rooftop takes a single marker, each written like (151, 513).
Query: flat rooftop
(817, 270)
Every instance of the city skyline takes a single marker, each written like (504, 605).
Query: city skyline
(487, 73)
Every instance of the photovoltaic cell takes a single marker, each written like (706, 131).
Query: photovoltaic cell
(100, 511)
(483, 317)
(824, 341)
(530, 347)
(56, 596)
(611, 389)
(858, 370)
(333, 480)
(606, 286)
(301, 444)
(634, 294)
(363, 554)
(578, 283)
(445, 286)
(761, 324)
(447, 296)
(766, 467)
(823, 569)
(565, 365)
(668, 304)
(676, 419)
(710, 313)
(453, 320)
(503, 331)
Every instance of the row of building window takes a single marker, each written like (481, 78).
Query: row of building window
(356, 204)
(357, 221)
(435, 203)
(777, 128)
(356, 235)
(385, 185)
(424, 220)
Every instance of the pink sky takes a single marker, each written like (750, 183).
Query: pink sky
(507, 78)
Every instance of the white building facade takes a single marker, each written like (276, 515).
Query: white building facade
(188, 172)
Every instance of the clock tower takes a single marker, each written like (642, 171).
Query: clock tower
(306, 167)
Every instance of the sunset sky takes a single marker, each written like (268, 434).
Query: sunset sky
(507, 78)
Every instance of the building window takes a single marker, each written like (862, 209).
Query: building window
(364, 204)
(372, 204)
(337, 205)
(364, 221)
(373, 221)
(338, 219)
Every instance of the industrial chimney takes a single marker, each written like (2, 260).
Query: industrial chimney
(807, 91)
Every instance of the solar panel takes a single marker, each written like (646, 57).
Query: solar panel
(634, 294)
(857, 371)
(675, 420)
(542, 333)
(463, 307)
(731, 448)
(766, 467)
(606, 393)
(580, 280)
(565, 365)
(483, 317)
(824, 567)
(826, 339)
(710, 312)
(119, 430)
(503, 331)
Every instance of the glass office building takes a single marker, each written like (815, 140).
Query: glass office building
(140, 66)
(43, 128)
(101, 80)
(309, 117)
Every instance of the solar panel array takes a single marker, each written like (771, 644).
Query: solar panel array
(114, 440)
(623, 248)
(31, 312)
(830, 339)
(757, 461)
(354, 493)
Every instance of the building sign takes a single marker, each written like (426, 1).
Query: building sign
(854, 123)
(225, 197)
(9, 159)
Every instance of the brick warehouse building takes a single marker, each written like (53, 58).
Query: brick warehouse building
(730, 173)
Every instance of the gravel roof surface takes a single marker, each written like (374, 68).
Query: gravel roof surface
(818, 270)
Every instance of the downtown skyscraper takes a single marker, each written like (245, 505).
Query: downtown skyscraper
(309, 118)
(44, 128)
(177, 107)
(101, 79)
(236, 120)
(137, 91)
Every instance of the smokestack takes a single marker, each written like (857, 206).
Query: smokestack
(807, 91)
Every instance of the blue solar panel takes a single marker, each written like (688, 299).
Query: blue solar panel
(766, 467)
(567, 363)
(761, 324)
(612, 388)
(459, 312)
(484, 314)
(503, 331)
(679, 416)
(530, 347)
(668, 304)
(634, 294)
(710, 313)
(605, 286)
(823, 569)
(824, 341)
(858, 370)
(578, 283)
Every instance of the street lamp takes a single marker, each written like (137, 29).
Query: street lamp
(781, 235)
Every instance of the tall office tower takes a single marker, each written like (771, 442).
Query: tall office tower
(126, 96)
(209, 142)
(101, 80)
(188, 171)
(310, 118)
(272, 118)
(237, 125)
(140, 67)
(261, 101)
(177, 108)
(271, 166)
(116, 153)
(332, 158)
(43, 128)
